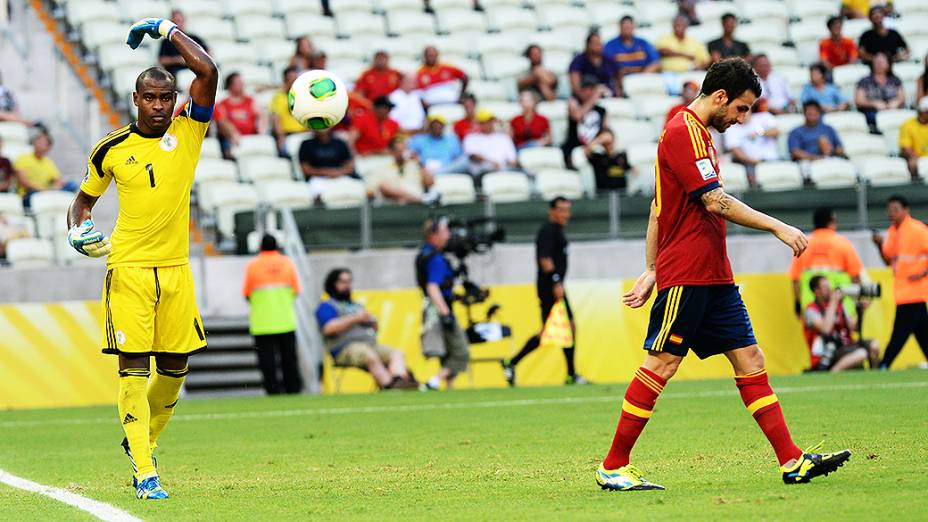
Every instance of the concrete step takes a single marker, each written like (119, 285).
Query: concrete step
(226, 393)
(226, 379)
(223, 360)
(222, 342)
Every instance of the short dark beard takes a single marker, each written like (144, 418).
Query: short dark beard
(341, 296)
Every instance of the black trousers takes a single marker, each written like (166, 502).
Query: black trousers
(277, 356)
(910, 318)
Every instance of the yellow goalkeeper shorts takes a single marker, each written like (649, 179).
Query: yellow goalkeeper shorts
(151, 311)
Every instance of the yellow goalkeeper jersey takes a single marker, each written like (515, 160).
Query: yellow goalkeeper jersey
(153, 177)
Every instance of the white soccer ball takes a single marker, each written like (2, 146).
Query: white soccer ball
(318, 99)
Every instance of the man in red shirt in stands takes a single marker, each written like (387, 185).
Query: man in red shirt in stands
(380, 79)
(837, 49)
(468, 123)
(372, 131)
(440, 82)
(690, 90)
(237, 115)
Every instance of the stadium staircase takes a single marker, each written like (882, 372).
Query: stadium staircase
(229, 367)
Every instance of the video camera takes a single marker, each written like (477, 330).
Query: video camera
(477, 235)
(868, 290)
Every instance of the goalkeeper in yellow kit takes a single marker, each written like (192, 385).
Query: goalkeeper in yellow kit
(149, 306)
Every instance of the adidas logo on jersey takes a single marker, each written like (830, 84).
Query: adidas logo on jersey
(129, 418)
(131, 161)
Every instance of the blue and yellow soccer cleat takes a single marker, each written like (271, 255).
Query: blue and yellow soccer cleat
(150, 489)
(626, 478)
(135, 467)
(812, 465)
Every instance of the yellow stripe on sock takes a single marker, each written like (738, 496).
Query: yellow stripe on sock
(753, 374)
(630, 408)
(760, 403)
(648, 381)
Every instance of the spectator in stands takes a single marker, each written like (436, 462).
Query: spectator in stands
(303, 54)
(438, 151)
(488, 149)
(913, 137)
(237, 115)
(689, 93)
(680, 53)
(755, 140)
(10, 230)
(814, 139)
(530, 129)
(37, 172)
(168, 55)
(8, 174)
(585, 117)
(631, 53)
(380, 79)
(837, 49)
(879, 91)
(403, 180)
(440, 82)
(610, 166)
(591, 62)
(408, 108)
(855, 9)
(538, 78)
(8, 108)
(687, 8)
(726, 46)
(282, 122)
(881, 40)
(319, 60)
(468, 123)
(921, 84)
(775, 88)
(323, 158)
(819, 89)
(350, 333)
(372, 131)
(829, 332)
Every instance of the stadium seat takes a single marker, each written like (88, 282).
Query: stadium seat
(201, 8)
(30, 253)
(583, 168)
(499, 44)
(343, 193)
(229, 52)
(847, 122)
(922, 169)
(302, 24)
(257, 27)
(657, 14)
(778, 175)
(767, 13)
(617, 107)
(888, 122)
(356, 23)
(643, 84)
(224, 200)
(285, 194)
(389, 6)
(506, 187)
(211, 149)
(368, 165)
(451, 112)
(242, 8)
(762, 36)
(78, 13)
(910, 8)
(560, 16)
(863, 145)
(14, 132)
(553, 110)
(781, 56)
(455, 189)
(504, 111)
(274, 51)
(833, 173)
(855, 27)
(641, 153)
(510, 18)
(133, 10)
(405, 23)
(815, 11)
(117, 55)
(796, 77)
(643, 180)
(96, 33)
(565, 40)
(50, 209)
(881, 172)
(631, 132)
(503, 67)
(11, 204)
(212, 30)
(734, 178)
(489, 91)
(210, 170)
(341, 6)
(287, 8)
(654, 108)
(705, 32)
(256, 145)
(257, 168)
(461, 21)
(535, 159)
(608, 13)
(551, 183)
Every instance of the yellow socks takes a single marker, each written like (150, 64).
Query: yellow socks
(162, 397)
(134, 415)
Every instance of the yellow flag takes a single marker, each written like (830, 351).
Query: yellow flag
(557, 330)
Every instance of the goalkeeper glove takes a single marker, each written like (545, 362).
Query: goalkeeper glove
(154, 27)
(88, 241)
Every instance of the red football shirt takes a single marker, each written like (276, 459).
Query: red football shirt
(373, 135)
(835, 54)
(463, 127)
(374, 84)
(691, 246)
(523, 131)
(241, 114)
(441, 73)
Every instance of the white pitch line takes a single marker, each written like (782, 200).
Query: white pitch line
(96, 508)
(461, 405)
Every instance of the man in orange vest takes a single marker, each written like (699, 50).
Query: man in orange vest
(271, 286)
(905, 248)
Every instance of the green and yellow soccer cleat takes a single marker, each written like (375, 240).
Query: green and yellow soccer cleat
(626, 478)
(812, 465)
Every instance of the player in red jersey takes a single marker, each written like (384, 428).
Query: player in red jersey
(698, 307)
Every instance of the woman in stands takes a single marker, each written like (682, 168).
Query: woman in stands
(827, 94)
(303, 55)
(921, 84)
(880, 91)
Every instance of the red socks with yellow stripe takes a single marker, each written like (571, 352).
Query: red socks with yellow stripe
(639, 402)
(763, 404)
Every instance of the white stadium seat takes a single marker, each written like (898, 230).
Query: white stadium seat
(257, 168)
(856, 27)
(343, 193)
(781, 56)
(658, 14)
(504, 111)
(285, 194)
(14, 132)
(884, 171)
(778, 175)
(302, 24)
(553, 110)
(354, 23)
(256, 145)
(256, 27)
(534, 159)
(618, 107)
(655, 108)
(643, 180)
(888, 122)
(451, 112)
(29, 253)
(509, 18)
(552, 183)
(710, 12)
(212, 29)
(11, 204)
(817, 10)
(461, 20)
(766, 13)
(488, 91)
(224, 200)
(734, 178)
(96, 33)
(643, 84)
(50, 208)
(237, 8)
(922, 169)
(405, 23)
(455, 189)
(506, 187)
(201, 8)
(370, 165)
(503, 67)
(631, 132)
(847, 122)
(211, 149)
(228, 52)
(210, 170)
(393, 5)
(833, 173)
(288, 8)
(84, 11)
(560, 16)
(761, 36)
(863, 145)
(133, 10)
(641, 153)
(341, 6)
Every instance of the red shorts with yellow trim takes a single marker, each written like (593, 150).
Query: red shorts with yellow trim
(706, 319)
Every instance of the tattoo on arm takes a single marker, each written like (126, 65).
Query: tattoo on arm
(718, 199)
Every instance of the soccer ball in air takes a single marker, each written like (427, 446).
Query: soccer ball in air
(318, 99)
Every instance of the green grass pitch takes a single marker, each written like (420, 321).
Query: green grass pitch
(522, 454)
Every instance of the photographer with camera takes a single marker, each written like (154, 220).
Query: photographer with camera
(551, 258)
(905, 248)
(442, 336)
(829, 328)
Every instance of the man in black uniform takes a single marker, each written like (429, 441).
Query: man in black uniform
(551, 255)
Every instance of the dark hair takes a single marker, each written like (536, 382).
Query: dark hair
(231, 76)
(815, 281)
(268, 243)
(332, 278)
(812, 103)
(822, 217)
(889, 63)
(529, 49)
(156, 73)
(875, 9)
(626, 18)
(42, 134)
(468, 96)
(288, 70)
(898, 198)
(432, 224)
(557, 201)
(833, 20)
(734, 76)
(820, 67)
(728, 15)
(589, 36)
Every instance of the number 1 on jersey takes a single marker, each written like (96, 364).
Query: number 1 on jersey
(151, 174)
